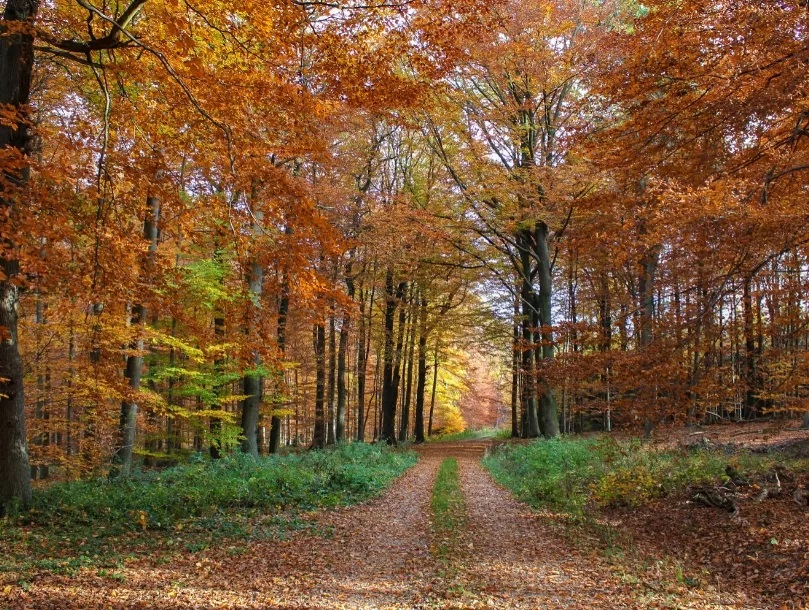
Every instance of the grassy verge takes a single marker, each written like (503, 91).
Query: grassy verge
(572, 475)
(665, 562)
(99, 523)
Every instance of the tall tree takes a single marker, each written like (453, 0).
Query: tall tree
(16, 65)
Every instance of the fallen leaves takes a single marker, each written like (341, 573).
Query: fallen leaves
(376, 555)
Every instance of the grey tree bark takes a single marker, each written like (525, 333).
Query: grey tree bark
(421, 377)
(432, 398)
(134, 361)
(332, 378)
(398, 356)
(404, 424)
(549, 420)
(751, 402)
(646, 289)
(361, 368)
(515, 371)
(342, 393)
(252, 383)
(16, 65)
(40, 471)
(529, 386)
(283, 309)
(215, 423)
(319, 434)
(390, 384)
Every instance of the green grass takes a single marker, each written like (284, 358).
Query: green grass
(448, 511)
(572, 474)
(190, 507)
(468, 435)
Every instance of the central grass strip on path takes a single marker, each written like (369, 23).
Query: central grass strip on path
(448, 522)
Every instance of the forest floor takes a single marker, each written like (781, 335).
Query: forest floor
(382, 554)
(762, 553)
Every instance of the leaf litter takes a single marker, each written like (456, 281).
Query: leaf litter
(377, 555)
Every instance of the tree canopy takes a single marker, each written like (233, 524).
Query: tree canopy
(296, 223)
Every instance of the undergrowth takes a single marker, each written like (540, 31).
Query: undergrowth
(572, 474)
(190, 507)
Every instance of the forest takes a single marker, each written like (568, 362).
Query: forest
(238, 230)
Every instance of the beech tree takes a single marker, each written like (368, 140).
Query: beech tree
(300, 223)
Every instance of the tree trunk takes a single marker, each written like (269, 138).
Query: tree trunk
(134, 361)
(172, 438)
(605, 316)
(549, 420)
(69, 416)
(16, 64)
(751, 392)
(251, 383)
(389, 389)
(422, 371)
(361, 368)
(319, 435)
(42, 439)
(129, 408)
(340, 431)
(398, 357)
(605, 342)
(527, 295)
(374, 403)
(281, 333)
(332, 384)
(432, 399)
(646, 289)
(215, 423)
(87, 445)
(515, 370)
(410, 346)
(340, 425)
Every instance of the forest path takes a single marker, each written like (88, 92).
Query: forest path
(509, 556)
(373, 556)
(518, 559)
(512, 556)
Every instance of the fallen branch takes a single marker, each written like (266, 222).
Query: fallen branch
(716, 497)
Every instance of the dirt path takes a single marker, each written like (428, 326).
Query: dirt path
(518, 558)
(515, 562)
(510, 559)
(376, 555)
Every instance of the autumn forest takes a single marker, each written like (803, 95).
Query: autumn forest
(273, 228)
